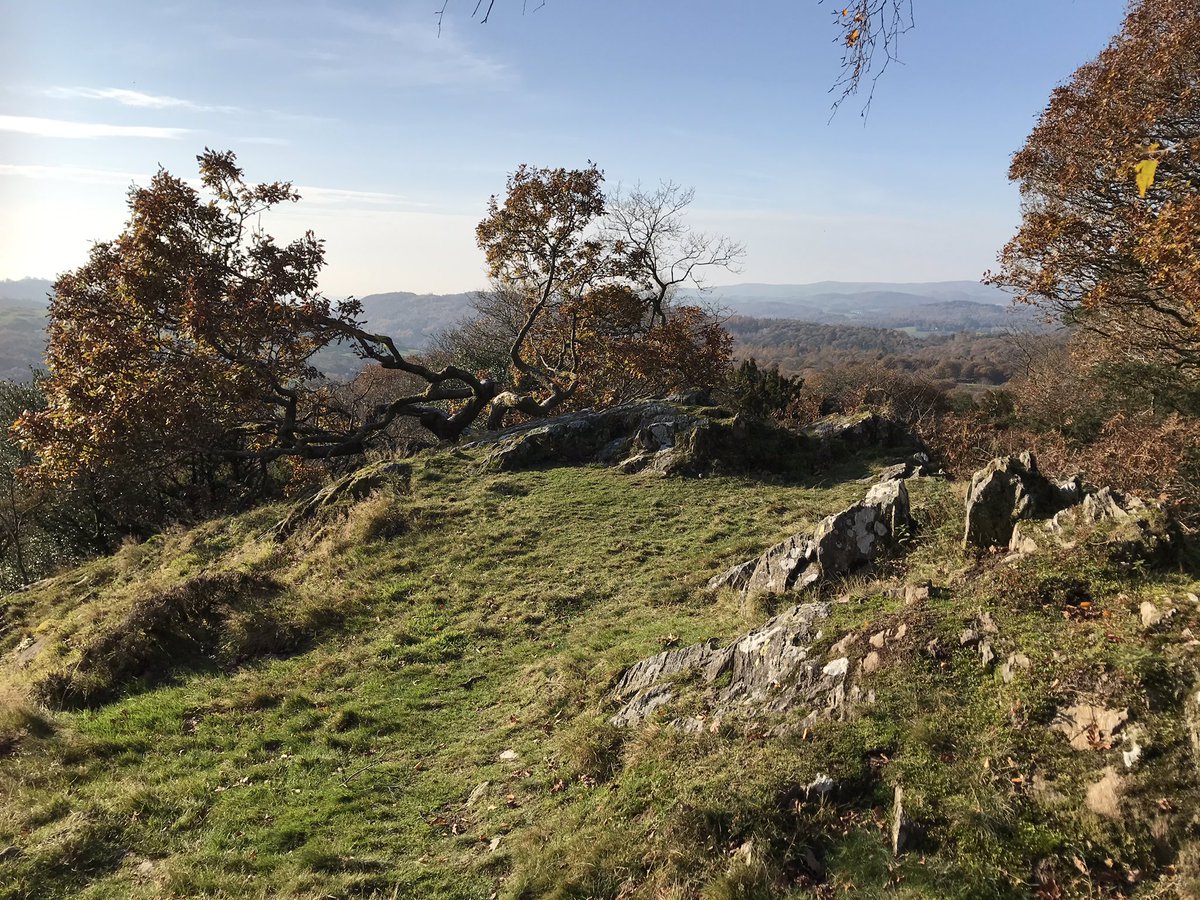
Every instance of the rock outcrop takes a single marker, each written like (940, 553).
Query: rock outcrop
(768, 670)
(654, 436)
(1006, 491)
(859, 431)
(1131, 529)
(842, 543)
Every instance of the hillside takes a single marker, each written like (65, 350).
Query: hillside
(938, 309)
(22, 327)
(411, 695)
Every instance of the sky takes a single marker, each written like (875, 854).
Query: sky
(396, 135)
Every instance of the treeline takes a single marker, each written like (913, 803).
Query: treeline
(805, 348)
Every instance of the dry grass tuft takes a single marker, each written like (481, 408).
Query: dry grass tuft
(20, 718)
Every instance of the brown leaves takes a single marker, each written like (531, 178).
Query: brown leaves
(1110, 238)
(182, 338)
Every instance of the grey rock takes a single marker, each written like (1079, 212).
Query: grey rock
(862, 431)
(478, 793)
(872, 662)
(987, 655)
(917, 593)
(842, 543)
(1133, 739)
(736, 578)
(769, 670)
(1131, 529)
(653, 436)
(1007, 490)
(819, 788)
(902, 825)
(1015, 662)
(1151, 614)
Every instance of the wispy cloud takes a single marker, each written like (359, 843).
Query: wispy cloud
(341, 196)
(75, 174)
(399, 51)
(61, 128)
(133, 98)
(311, 195)
(265, 141)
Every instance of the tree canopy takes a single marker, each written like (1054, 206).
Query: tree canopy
(183, 349)
(1110, 184)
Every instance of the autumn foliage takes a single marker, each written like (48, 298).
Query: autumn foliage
(1110, 180)
(583, 294)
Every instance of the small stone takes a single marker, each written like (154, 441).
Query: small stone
(494, 844)
(837, 668)
(901, 631)
(1131, 756)
(917, 593)
(1015, 661)
(969, 636)
(477, 794)
(1193, 598)
(1151, 615)
(901, 823)
(879, 639)
(987, 654)
(872, 662)
(819, 787)
(842, 647)
(987, 625)
(509, 756)
(146, 867)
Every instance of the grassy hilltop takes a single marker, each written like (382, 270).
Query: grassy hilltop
(409, 697)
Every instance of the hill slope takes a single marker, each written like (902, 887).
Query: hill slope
(409, 697)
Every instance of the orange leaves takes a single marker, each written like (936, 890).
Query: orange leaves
(176, 339)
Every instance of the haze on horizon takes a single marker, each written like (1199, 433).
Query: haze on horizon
(396, 136)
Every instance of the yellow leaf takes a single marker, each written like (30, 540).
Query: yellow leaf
(1145, 171)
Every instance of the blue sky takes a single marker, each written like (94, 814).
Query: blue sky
(397, 136)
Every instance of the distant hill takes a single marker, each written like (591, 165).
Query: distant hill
(22, 327)
(25, 291)
(943, 306)
(413, 319)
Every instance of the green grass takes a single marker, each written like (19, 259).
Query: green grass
(491, 614)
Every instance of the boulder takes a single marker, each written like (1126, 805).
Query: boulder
(842, 543)
(770, 670)
(1007, 490)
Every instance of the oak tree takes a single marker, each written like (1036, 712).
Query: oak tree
(1110, 186)
(183, 347)
(584, 294)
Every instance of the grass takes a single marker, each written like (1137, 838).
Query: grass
(408, 699)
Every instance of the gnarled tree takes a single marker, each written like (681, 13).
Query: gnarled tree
(185, 345)
(657, 249)
(583, 294)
